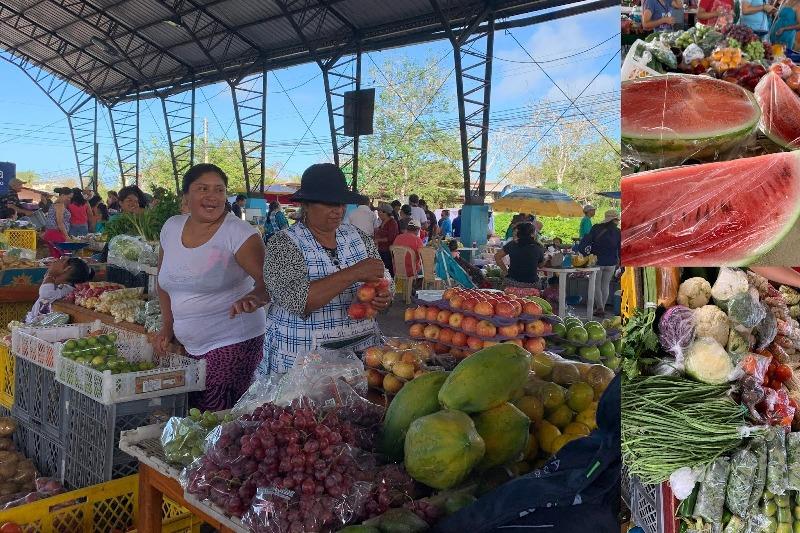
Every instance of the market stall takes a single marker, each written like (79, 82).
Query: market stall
(709, 412)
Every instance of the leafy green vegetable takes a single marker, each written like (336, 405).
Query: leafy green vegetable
(639, 339)
(149, 222)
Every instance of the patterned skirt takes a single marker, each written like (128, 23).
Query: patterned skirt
(229, 373)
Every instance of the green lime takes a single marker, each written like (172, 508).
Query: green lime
(71, 345)
(607, 349)
(577, 334)
(569, 350)
(92, 341)
(560, 330)
(590, 353)
(596, 332)
(82, 343)
(580, 396)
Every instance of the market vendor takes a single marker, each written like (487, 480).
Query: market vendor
(715, 12)
(211, 288)
(787, 22)
(58, 221)
(11, 199)
(312, 273)
(525, 257)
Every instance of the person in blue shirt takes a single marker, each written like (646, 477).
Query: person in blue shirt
(787, 22)
(275, 222)
(586, 221)
(445, 224)
(755, 14)
(457, 225)
(604, 241)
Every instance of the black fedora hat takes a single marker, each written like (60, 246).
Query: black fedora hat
(325, 182)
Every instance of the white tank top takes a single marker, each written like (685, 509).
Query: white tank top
(204, 282)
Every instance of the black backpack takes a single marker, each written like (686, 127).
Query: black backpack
(577, 491)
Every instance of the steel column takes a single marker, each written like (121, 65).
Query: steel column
(125, 129)
(473, 47)
(83, 129)
(179, 120)
(250, 105)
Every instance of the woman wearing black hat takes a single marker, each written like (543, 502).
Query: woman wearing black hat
(313, 271)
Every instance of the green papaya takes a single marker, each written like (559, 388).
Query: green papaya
(505, 432)
(442, 448)
(398, 521)
(419, 397)
(486, 379)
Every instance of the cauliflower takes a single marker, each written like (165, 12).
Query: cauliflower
(712, 322)
(708, 362)
(694, 293)
(730, 282)
(791, 296)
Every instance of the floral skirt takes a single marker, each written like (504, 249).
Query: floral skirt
(229, 373)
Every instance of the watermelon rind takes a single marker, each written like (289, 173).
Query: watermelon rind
(762, 126)
(752, 256)
(672, 150)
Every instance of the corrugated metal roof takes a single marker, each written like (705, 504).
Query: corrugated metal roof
(112, 47)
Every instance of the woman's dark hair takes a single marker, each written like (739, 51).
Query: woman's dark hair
(453, 245)
(525, 233)
(79, 271)
(77, 197)
(406, 210)
(273, 206)
(132, 190)
(396, 203)
(198, 170)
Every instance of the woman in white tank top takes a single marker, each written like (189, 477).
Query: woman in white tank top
(211, 288)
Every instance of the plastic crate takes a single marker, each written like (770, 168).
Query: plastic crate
(21, 238)
(46, 452)
(174, 374)
(42, 345)
(39, 397)
(652, 507)
(92, 431)
(97, 509)
(13, 311)
(6, 376)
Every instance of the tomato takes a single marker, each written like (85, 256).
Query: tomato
(775, 384)
(783, 373)
(10, 527)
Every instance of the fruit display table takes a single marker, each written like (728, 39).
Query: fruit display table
(153, 487)
(562, 287)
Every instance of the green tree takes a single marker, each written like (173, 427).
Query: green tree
(405, 155)
(225, 153)
(30, 177)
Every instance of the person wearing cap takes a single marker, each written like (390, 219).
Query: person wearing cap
(313, 271)
(211, 289)
(604, 241)
(11, 198)
(58, 221)
(586, 221)
(410, 238)
(385, 234)
(363, 218)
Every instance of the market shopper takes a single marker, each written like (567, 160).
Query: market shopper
(787, 22)
(275, 221)
(525, 257)
(58, 221)
(604, 241)
(312, 272)
(657, 14)
(445, 224)
(238, 205)
(98, 214)
(211, 288)
(60, 280)
(112, 201)
(457, 225)
(755, 14)
(363, 217)
(385, 234)
(715, 12)
(410, 238)
(11, 199)
(79, 214)
(586, 222)
(417, 212)
(405, 216)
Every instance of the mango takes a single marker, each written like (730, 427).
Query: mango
(504, 430)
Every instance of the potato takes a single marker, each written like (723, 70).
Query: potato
(7, 488)
(7, 444)
(7, 426)
(7, 470)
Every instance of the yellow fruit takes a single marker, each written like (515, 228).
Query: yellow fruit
(532, 450)
(531, 406)
(587, 418)
(551, 395)
(389, 359)
(579, 396)
(392, 384)
(561, 441)
(546, 434)
(576, 428)
(561, 417)
(404, 370)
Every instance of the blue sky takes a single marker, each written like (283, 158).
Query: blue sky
(34, 133)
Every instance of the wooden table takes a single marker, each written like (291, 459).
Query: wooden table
(562, 287)
(153, 486)
(21, 293)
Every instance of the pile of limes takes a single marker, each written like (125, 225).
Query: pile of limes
(100, 353)
(588, 340)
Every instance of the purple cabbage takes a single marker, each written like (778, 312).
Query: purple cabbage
(676, 330)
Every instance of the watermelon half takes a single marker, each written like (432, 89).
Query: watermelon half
(667, 120)
(714, 214)
(780, 111)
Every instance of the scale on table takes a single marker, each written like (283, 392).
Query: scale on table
(70, 248)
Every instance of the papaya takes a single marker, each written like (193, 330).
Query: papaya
(419, 397)
(442, 448)
(486, 379)
(504, 430)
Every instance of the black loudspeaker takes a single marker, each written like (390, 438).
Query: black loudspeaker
(359, 108)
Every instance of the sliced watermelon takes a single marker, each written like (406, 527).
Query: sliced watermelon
(780, 111)
(667, 120)
(715, 214)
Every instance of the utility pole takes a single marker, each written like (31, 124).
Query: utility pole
(205, 140)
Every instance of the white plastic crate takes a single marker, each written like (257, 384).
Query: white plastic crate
(41, 345)
(174, 374)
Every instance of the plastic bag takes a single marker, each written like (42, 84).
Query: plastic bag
(740, 478)
(744, 309)
(663, 54)
(667, 282)
(793, 461)
(759, 448)
(693, 53)
(700, 216)
(711, 498)
(777, 475)
(50, 319)
(182, 438)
